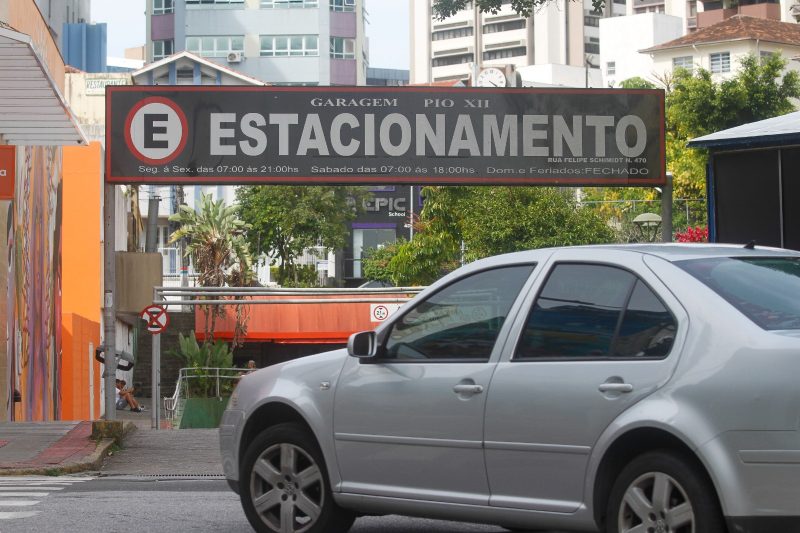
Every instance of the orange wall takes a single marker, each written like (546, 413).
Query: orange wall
(317, 323)
(81, 263)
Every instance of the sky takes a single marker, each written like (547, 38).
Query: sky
(387, 29)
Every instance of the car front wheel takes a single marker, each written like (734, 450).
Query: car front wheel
(661, 492)
(285, 487)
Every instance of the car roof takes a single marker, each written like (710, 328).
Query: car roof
(667, 251)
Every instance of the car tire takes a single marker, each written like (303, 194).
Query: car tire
(285, 487)
(663, 491)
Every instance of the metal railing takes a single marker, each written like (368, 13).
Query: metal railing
(202, 382)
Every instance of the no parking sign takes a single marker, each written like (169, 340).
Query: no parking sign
(156, 317)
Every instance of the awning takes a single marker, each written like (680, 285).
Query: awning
(32, 109)
(777, 131)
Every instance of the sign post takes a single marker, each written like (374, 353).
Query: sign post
(157, 321)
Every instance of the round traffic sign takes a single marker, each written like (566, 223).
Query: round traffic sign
(156, 317)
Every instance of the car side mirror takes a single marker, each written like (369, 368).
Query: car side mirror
(362, 344)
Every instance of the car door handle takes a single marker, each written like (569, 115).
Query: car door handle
(615, 387)
(468, 389)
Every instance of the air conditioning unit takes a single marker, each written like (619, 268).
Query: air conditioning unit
(235, 57)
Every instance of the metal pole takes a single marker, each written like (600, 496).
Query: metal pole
(666, 210)
(151, 237)
(109, 314)
(155, 379)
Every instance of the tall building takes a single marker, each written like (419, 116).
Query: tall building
(61, 12)
(561, 32)
(287, 42)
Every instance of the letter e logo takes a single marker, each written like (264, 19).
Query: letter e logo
(156, 130)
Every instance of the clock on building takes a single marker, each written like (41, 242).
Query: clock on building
(491, 77)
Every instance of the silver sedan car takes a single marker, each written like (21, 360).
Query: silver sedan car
(636, 388)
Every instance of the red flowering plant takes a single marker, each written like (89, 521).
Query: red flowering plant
(696, 234)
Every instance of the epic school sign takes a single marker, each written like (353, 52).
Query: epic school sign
(371, 135)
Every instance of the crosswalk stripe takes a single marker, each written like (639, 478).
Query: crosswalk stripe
(16, 491)
(12, 515)
(28, 487)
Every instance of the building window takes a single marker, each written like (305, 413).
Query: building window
(289, 45)
(212, 3)
(591, 20)
(686, 62)
(441, 35)
(720, 62)
(343, 5)
(452, 60)
(591, 48)
(281, 4)
(215, 46)
(504, 53)
(611, 68)
(162, 49)
(161, 7)
(343, 48)
(504, 26)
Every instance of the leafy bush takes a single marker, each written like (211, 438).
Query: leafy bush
(215, 354)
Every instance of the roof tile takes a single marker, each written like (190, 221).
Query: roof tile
(738, 28)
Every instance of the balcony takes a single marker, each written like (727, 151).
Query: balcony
(714, 13)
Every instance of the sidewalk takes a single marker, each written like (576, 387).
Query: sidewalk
(51, 448)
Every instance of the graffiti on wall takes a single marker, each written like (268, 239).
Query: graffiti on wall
(34, 286)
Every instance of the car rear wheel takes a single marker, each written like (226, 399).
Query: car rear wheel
(285, 486)
(661, 492)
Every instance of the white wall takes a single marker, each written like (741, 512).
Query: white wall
(737, 49)
(621, 38)
(552, 75)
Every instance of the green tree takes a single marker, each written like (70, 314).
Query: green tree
(696, 105)
(216, 244)
(286, 220)
(460, 224)
(636, 83)
(446, 8)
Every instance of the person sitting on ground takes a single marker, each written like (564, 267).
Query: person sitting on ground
(251, 367)
(125, 397)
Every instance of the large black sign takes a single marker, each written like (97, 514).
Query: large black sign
(372, 135)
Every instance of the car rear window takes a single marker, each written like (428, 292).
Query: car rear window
(765, 289)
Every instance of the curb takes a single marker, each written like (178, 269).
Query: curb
(93, 461)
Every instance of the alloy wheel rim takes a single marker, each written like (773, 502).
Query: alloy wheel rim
(656, 503)
(286, 488)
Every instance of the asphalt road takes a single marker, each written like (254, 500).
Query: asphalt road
(125, 504)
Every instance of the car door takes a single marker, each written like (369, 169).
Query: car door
(598, 335)
(409, 422)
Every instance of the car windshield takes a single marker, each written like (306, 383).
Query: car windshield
(765, 289)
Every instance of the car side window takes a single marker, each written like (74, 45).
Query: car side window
(595, 311)
(647, 329)
(459, 322)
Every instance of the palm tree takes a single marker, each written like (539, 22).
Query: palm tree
(216, 243)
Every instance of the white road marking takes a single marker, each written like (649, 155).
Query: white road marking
(28, 487)
(11, 515)
(15, 491)
(18, 503)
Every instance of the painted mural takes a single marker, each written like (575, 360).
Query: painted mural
(34, 286)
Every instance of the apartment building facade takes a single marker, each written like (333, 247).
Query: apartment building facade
(282, 42)
(559, 33)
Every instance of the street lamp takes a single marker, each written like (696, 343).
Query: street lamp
(648, 224)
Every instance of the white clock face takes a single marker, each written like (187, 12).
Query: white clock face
(491, 77)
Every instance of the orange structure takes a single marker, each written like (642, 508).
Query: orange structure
(81, 299)
(307, 323)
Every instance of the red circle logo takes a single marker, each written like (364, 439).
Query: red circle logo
(156, 130)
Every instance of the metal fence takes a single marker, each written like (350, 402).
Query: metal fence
(203, 382)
